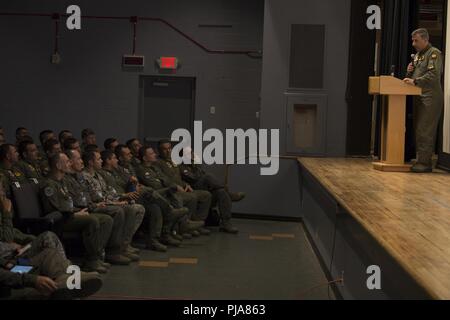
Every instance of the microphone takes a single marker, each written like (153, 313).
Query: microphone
(413, 58)
(393, 70)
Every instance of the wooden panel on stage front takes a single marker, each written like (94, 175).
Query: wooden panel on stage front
(407, 214)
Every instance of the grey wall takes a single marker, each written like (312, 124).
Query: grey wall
(279, 195)
(267, 195)
(278, 17)
(89, 88)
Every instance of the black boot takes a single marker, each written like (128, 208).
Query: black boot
(237, 196)
(168, 240)
(155, 245)
(227, 227)
(421, 168)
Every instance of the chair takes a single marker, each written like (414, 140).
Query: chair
(29, 216)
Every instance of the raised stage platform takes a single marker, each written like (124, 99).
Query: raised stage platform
(358, 217)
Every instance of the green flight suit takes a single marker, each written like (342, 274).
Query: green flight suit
(201, 180)
(111, 218)
(55, 197)
(117, 187)
(11, 176)
(151, 176)
(156, 207)
(135, 162)
(8, 178)
(32, 171)
(427, 107)
(10, 234)
(99, 191)
(198, 201)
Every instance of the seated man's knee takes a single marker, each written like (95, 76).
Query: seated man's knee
(92, 222)
(139, 209)
(153, 209)
(119, 215)
(204, 195)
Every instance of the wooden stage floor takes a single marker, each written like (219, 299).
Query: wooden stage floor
(407, 214)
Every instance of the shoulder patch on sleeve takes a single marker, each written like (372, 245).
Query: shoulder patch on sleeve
(49, 191)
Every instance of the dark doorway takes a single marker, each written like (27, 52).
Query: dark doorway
(166, 103)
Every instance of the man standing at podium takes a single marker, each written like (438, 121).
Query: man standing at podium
(425, 71)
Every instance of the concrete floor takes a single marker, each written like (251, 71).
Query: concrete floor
(266, 260)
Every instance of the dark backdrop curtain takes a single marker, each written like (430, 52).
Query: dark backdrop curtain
(400, 18)
(359, 103)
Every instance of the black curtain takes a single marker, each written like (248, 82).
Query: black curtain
(359, 103)
(399, 19)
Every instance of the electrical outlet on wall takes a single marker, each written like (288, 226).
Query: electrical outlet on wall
(212, 110)
(56, 58)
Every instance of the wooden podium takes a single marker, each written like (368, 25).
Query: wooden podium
(392, 121)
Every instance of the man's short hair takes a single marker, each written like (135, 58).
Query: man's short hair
(143, 150)
(163, 141)
(62, 133)
(86, 132)
(49, 144)
(20, 129)
(4, 149)
(70, 153)
(422, 32)
(108, 142)
(69, 142)
(43, 134)
(91, 147)
(89, 156)
(26, 138)
(54, 159)
(23, 145)
(119, 149)
(130, 142)
(106, 155)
